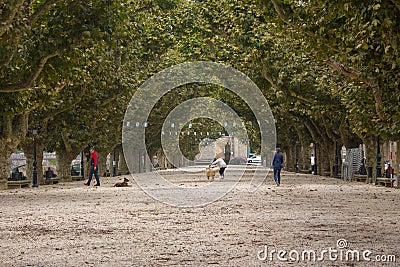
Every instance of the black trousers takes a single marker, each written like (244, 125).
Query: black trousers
(96, 174)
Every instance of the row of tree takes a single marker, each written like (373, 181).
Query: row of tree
(69, 68)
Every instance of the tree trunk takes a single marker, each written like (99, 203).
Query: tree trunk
(122, 166)
(64, 160)
(396, 162)
(161, 159)
(289, 160)
(102, 163)
(39, 162)
(4, 164)
(133, 162)
(117, 152)
(370, 143)
(27, 147)
(320, 158)
(147, 162)
(304, 156)
(87, 169)
(13, 130)
(327, 158)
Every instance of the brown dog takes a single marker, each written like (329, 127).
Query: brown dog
(210, 172)
(122, 184)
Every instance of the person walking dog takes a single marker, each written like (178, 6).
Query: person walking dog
(221, 164)
(277, 163)
(94, 170)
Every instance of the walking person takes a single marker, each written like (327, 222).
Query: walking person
(221, 164)
(277, 163)
(312, 164)
(93, 167)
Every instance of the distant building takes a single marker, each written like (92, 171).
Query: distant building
(210, 148)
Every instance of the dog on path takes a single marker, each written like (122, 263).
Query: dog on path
(210, 172)
(124, 183)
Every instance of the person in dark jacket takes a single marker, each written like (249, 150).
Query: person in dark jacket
(93, 168)
(277, 163)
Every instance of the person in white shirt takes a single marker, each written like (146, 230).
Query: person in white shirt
(312, 164)
(221, 164)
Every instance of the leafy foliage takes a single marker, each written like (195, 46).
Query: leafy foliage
(329, 69)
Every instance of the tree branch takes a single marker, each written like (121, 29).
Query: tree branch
(280, 12)
(43, 9)
(65, 138)
(20, 129)
(266, 76)
(285, 19)
(396, 3)
(8, 126)
(357, 75)
(310, 130)
(13, 39)
(6, 22)
(329, 131)
(347, 71)
(23, 86)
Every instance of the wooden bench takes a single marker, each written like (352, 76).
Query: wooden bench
(385, 181)
(76, 178)
(360, 177)
(19, 184)
(53, 180)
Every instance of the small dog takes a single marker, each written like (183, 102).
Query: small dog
(123, 183)
(210, 172)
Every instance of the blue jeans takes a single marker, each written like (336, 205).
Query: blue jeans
(96, 174)
(277, 175)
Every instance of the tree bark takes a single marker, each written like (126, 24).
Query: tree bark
(328, 158)
(27, 147)
(8, 17)
(39, 162)
(102, 163)
(4, 164)
(371, 151)
(396, 161)
(122, 166)
(289, 160)
(13, 130)
(117, 152)
(161, 159)
(64, 161)
(303, 149)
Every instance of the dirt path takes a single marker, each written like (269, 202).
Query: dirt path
(73, 225)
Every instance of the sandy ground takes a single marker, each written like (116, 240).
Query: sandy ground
(74, 225)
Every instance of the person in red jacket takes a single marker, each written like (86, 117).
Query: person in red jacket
(93, 168)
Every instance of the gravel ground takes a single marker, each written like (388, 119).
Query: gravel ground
(70, 224)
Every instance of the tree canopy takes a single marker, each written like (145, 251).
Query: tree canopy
(329, 69)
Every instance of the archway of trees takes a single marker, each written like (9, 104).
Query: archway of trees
(329, 69)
